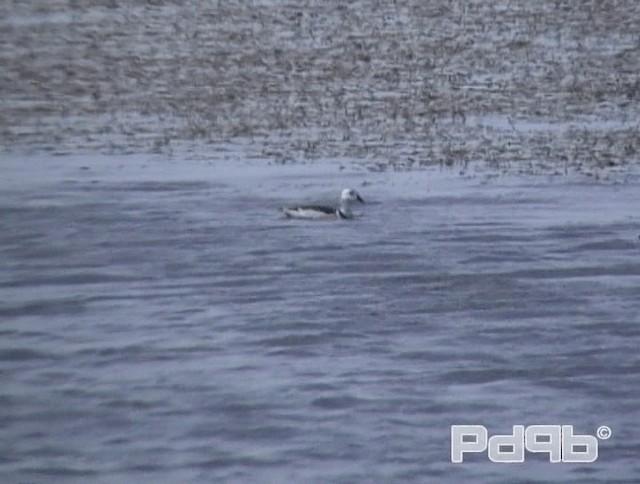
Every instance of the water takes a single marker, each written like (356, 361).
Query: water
(163, 323)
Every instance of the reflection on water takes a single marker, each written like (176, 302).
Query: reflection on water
(184, 331)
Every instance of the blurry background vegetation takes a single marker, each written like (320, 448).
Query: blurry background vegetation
(551, 85)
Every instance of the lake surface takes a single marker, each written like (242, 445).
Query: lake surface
(162, 322)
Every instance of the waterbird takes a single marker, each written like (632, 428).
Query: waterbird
(317, 212)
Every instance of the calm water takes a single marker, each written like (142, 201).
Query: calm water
(178, 329)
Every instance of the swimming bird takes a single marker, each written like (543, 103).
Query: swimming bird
(316, 212)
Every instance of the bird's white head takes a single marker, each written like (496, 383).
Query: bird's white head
(350, 195)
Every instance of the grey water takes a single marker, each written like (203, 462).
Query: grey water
(162, 330)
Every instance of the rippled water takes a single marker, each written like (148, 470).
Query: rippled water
(162, 324)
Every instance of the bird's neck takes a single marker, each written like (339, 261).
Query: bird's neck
(345, 209)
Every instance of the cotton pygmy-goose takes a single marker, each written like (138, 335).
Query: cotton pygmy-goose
(316, 212)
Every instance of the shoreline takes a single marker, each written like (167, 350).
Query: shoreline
(230, 162)
(546, 87)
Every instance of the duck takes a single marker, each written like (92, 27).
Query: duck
(319, 212)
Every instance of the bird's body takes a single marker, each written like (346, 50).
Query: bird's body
(319, 212)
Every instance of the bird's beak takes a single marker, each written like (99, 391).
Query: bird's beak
(359, 198)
